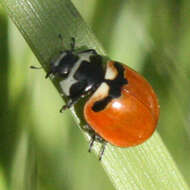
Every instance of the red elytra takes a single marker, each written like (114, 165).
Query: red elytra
(130, 119)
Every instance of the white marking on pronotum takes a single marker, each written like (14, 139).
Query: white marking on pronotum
(70, 80)
(56, 63)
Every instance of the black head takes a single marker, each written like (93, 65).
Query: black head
(63, 64)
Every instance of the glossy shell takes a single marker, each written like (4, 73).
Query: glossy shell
(128, 120)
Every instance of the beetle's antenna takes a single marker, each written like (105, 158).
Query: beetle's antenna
(34, 67)
(61, 38)
(72, 43)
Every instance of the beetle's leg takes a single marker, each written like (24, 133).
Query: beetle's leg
(70, 103)
(91, 142)
(95, 137)
(48, 74)
(77, 91)
(103, 146)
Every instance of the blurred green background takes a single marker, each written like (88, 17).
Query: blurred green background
(151, 37)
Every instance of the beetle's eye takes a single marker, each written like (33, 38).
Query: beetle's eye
(64, 72)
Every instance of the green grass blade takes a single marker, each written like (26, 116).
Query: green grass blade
(148, 166)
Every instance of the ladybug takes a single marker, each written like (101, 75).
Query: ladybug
(121, 109)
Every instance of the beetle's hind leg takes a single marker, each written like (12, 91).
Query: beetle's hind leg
(102, 150)
(95, 137)
(68, 104)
